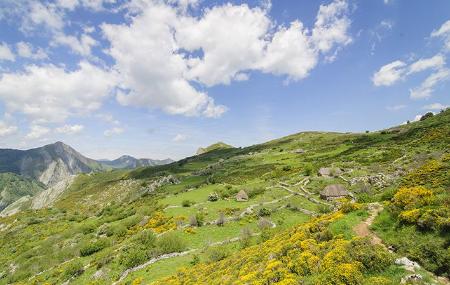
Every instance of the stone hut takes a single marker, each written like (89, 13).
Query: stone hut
(241, 196)
(334, 191)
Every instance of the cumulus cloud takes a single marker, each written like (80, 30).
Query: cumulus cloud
(171, 49)
(6, 53)
(6, 129)
(113, 131)
(80, 45)
(37, 131)
(43, 14)
(435, 106)
(70, 129)
(179, 138)
(51, 94)
(389, 73)
(25, 50)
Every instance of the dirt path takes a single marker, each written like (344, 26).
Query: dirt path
(363, 229)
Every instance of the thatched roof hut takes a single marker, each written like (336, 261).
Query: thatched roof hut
(241, 196)
(334, 191)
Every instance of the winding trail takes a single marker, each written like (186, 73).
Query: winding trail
(363, 229)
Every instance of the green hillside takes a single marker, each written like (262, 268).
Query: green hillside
(181, 223)
(13, 186)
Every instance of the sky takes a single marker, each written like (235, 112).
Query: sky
(160, 78)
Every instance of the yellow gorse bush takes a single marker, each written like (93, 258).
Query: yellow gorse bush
(412, 197)
(287, 258)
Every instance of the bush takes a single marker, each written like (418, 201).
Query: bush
(263, 212)
(196, 220)
(169, 243)
(217, 253)
(426, 116)
(186, 203)
(213, 197)
(133, 258)
(93, 247)
(245, 237)
(75, 268)
(88, 228)
(412, 197)
(308, 169)
(146, 238)
(117, 230)
(374, 258)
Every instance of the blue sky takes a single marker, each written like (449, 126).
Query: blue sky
(161, 78)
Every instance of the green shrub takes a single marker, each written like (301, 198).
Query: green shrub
(186, 203)
(169, 243)
(146, 238)
(93, 247)
(217, 253)
(133, 257)
(374, 258)
(263, 212)
(88, 228)
(74, 268)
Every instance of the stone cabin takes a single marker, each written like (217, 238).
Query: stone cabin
(241, 196)
(334, 191)
(329, 172)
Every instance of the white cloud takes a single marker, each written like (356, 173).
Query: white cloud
(435, 106)
(395, 107)
(37, 132)
(82, 45)
(179, 138)
(6, 53)
(70, 129)
(170, 49)
(67, 4)
(113, 131)
(427, 87)
(43, 14)
(154, 73)
(434, 62)
(331, 26)
(6, 130)
(290, 52)
(26, 50)
(389, 73)
(51, 94)
(444, 33)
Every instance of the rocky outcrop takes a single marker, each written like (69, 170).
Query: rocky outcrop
(48, 197)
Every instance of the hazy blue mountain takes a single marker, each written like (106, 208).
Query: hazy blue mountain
(129, 162)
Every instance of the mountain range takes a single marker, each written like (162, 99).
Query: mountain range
(27, 172)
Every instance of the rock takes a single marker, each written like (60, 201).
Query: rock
(407, 263)
(411, 278)
(144, 221)
(299, 151)
(165, 180)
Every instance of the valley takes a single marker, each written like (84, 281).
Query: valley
(253, 215)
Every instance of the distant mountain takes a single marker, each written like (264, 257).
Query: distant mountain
(216, 146)
(48, 164)
(128, 162)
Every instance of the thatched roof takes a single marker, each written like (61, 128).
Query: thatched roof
(241, 196)
(334, 191)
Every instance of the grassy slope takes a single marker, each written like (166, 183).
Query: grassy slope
(13, 186)
(108, 207)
